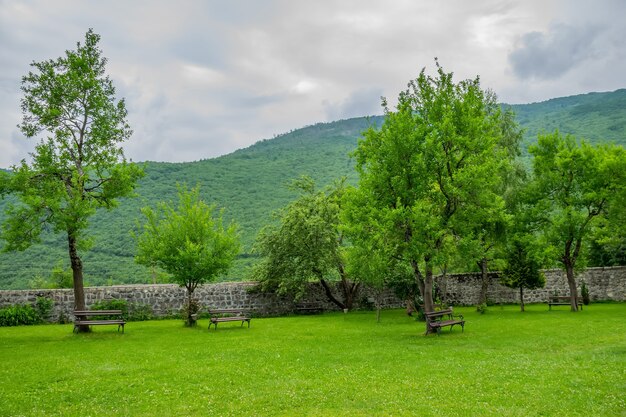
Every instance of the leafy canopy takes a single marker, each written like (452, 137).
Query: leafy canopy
(189, 241)
(432, 170)
(305, 242)
(79, 166)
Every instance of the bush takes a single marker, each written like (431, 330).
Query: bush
(19, 314)
(584, 293)
(481, 308)
(140, 312)
(43, 306)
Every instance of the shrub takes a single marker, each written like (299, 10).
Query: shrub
(43, 306)
(140, 312)
(584, 292)
(112, 304)
(481, 308)
(19, 314)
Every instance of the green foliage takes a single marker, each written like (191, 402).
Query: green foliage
(597, 117)
(481, 308)
(584, 293)
(522, 270)
(60, 277)
(432, 172)
(112, 304)
(43, 306)
(188, 241)
(249, 183)
(19, 315)
(574, 188)
(305, 243)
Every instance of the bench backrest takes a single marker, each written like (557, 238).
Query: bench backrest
(97, 312)
(557, 298)
(225, 311)
(437, 315)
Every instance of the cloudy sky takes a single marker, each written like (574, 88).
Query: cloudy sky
(204, 78)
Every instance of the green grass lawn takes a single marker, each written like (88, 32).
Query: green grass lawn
(506, 363)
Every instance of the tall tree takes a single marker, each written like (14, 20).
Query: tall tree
(435, 160)
(187, 241)
(306, 244)
(574, 186)
(80, 166)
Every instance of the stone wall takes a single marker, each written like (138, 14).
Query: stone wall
(460, 289)
(604, 284)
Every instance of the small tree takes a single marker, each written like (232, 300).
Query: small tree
(306, 245)
(189, 242)
(79, 167)
(522, 270)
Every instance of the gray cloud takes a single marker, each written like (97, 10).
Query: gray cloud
(366, 102)
(551, 54)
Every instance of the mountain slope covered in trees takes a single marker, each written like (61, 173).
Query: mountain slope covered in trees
(251, 183)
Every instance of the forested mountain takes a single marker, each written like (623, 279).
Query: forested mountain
(251, 183)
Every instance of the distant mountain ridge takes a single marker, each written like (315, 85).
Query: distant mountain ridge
(251, 183)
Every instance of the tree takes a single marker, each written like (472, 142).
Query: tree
(435, 161)
(574, 186)
(522, 270)
(306, 244)
(492, 221)
(80, 166)
(187, 241)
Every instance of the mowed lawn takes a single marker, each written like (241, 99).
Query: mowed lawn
(506, 363)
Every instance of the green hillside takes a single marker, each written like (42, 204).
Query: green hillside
(595, 117)
(250, 183)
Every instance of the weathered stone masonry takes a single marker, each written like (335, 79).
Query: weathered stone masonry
(605, 284)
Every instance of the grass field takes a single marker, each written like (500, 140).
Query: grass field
(506, 363)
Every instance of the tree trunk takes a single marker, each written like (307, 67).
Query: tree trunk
(484, 283)
(569, 261)
(425, 285)
(521, 298)
(191, 310)
(330, 296)
(571, 281)
(77, 275)
(348, 288)
(429, 305)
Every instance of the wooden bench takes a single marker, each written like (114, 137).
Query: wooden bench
(309, 308)
(227, 314)
(563, 300)
(86, 318)
(437, 319)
